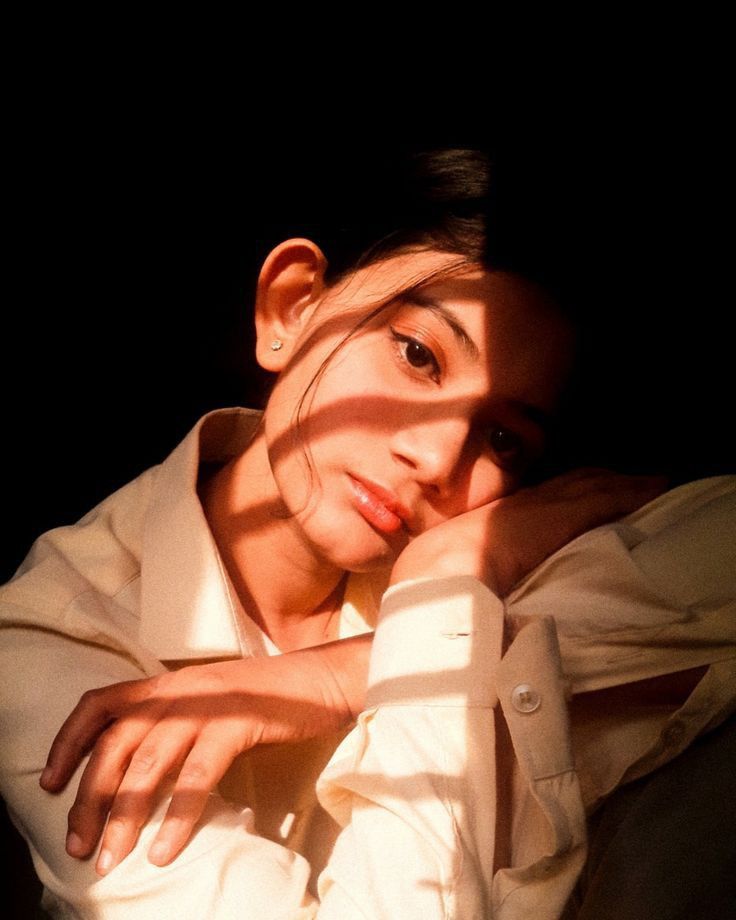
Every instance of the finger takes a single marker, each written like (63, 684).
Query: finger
(164, 749)
(101, 779)
(207, 763)
(92, 714)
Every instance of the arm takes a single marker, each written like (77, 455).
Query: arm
(69, 624)
(226, 863)
(652, 598)
(646, 616)
(546, 540)
(414, 785)
(193, 722)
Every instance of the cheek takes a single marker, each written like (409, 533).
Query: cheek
(488, 482)
(484, 483)
(355, 398)
(349, 402)
(298, 394)
(281, 435)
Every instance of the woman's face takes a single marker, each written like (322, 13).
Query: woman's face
(433, 408)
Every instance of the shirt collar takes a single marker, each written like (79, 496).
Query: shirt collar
(187, 608)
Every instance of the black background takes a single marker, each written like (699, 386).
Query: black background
(138, 227)
(138, 222)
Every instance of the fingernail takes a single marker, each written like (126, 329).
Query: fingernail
(74, 844)
(159, 852)
(104, 862)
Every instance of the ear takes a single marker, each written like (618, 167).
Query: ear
(290, 285)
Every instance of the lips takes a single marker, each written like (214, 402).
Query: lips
(378, 506)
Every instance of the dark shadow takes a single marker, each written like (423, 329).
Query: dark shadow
(649, 420)
(24, 892)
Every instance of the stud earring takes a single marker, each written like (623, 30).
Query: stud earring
(277, 345)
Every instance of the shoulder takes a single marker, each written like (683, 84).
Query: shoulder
(711, 496)
(101, 551)
(675, 554)
(688, 540)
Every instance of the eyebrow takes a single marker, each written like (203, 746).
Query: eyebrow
(449, 318)
(539, 417)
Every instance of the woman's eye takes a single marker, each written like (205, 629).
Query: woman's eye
(417, 355)
(507, 444)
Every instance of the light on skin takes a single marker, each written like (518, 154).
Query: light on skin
(434, 405)
(439, 400)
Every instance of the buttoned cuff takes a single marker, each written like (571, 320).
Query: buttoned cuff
(531, 690)
(437, 643)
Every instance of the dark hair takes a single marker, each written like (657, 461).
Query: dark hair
(429, 200)
(500, 210)
(446, 200)
(577, 222)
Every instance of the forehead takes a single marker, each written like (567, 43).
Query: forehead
(494, 302)
(520, 337)
(477, 291)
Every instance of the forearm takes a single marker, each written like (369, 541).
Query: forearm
(414, 784)
(344, 664)
(423, 787)
(225, 865)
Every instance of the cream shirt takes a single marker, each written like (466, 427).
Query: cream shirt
(462, 791)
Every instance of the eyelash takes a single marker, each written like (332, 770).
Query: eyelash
(517, 444)
(517, 451)
(403, 343)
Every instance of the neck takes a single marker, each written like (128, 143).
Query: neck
(283, 585)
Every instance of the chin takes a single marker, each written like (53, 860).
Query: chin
(357, 559)
(349, 543)
(365, 566)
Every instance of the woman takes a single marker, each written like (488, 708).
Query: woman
(415, 388)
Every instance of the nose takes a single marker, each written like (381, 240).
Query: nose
(434, 450)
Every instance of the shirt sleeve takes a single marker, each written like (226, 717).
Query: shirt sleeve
(416, 787)
(225, 866)
(415, 783)
(70, 622)
(463, 790)
(458, 792)
(650, 596)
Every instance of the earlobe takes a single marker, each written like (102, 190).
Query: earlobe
(290, 285)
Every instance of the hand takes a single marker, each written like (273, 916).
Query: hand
(192, 722)
(501, 542)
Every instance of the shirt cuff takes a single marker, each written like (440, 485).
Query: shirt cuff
(437, 643)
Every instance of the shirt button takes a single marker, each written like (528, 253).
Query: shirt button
(525, 698)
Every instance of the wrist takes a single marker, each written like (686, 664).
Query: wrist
(343, 669)
(427, 642)
(449, 565)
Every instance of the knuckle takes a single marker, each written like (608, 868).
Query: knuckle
(90, 697)
(121, 828)
(118, 824)
(81, 811)
(109, 745)
(193, 774)
(142, 763)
